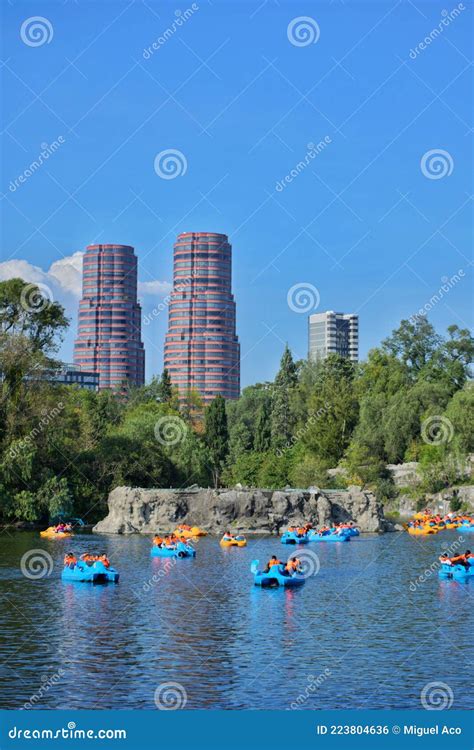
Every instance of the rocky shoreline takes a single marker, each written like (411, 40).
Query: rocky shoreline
(145, 511)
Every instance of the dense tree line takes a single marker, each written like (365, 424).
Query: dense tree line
(62, 449)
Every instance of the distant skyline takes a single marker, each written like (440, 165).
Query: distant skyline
(331, 142)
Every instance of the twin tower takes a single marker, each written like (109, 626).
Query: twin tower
(202, 350)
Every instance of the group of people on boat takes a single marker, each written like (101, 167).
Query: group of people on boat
(228, 537)
(426, 522)
(62, 528)
(292, 566)
(70, 559)
(168, 542)
(300, 530)
(457, 559)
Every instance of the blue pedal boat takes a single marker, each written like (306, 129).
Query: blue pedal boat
(180, 550)
(329, 536)
(94, 573)
(291, 537)
(457, 572)
(275, 577)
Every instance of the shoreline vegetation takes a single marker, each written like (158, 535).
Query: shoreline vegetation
(331, 424)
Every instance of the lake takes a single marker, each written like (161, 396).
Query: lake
(370, 630)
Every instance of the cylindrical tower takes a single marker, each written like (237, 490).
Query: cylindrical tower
(201, 348)
(109, 325)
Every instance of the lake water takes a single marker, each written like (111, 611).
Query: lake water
(365, 632)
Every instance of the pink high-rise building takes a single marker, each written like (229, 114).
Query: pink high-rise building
(109, 325)
(201, 348)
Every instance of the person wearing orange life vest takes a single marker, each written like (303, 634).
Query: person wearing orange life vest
(70, 560)
(460, 560)
(293, 566)
(273, 561)
(157, 541)
(104, 560)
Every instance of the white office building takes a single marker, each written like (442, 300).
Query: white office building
(333, 333)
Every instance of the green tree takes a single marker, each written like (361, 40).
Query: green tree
(282, 417)
(217, 436)
(332, 411)
(263, 436)
(165, 392)
(31, 327)
(414, 342)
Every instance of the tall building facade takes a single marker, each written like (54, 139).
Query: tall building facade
(202, 350)
(109, 326)
(333, 333)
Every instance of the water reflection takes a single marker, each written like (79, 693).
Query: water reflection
(232, 645)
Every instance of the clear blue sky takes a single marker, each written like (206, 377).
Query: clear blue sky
(229, 90)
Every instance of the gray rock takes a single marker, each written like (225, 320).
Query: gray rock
(145, 511)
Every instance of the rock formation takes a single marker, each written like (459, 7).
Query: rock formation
(145, 511)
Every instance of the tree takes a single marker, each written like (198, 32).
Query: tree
(460, 416)
(414, 342)
(282, 418)
(165, 390)
(30, 328)
(216, 436)
(263, 435)
(332, 411)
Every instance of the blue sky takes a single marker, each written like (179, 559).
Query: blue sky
(240, 95)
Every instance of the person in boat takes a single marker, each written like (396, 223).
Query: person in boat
(300, 531)
(157, 541)
(293, 566)
(60, 528)
(70, 560)
(459, 560)
(104, 560)
(273, 561)
(228, 537)
(88, 558)
(444, 559)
